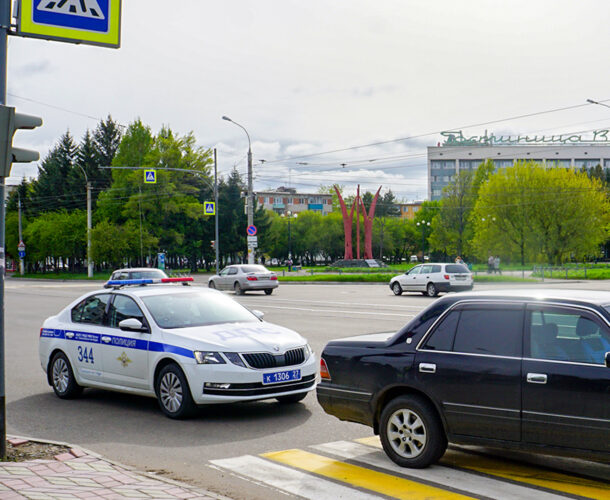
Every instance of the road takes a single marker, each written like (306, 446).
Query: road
(223, 444)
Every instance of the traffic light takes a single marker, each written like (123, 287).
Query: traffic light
(10, 122)
(213, 243)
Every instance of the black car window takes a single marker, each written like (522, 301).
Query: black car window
(123, 307)
(456, 269)
(490, 330)
(443, 335)
(565, 334)
(91, 310)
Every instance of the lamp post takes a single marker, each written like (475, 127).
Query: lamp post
(289, 215)
(423, 225)
(591, 101)
(89, 261)
(250, 193)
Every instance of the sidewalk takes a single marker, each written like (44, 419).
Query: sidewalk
(83, 474)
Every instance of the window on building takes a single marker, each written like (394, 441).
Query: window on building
(586, 163)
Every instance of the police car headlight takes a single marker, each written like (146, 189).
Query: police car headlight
(234, 358)
(307, 350)
(208, 358)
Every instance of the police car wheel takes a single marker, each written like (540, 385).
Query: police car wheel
(62, 377)
(173, 393)
(292, 398)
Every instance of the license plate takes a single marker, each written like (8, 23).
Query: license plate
(460, 278)
(279, 377)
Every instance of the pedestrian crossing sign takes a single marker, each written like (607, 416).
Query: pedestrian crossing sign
(150, 176)
(209, 208)
(93, 22)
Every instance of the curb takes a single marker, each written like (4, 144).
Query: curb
(129, 468)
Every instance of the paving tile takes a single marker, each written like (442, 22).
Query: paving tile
(62, 457)
(77, 453)
(17, 441)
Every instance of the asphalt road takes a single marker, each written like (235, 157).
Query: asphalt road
(133, 431)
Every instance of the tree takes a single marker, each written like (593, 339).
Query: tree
(386, 207)
(532, 212)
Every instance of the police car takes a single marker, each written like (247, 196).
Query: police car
(184, 345)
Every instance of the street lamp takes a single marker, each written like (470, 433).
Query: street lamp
(89, 261)
(289, 215)
(250, 193)
(423, 225)
(591, 101)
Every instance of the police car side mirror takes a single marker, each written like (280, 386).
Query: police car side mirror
(608, 360)
(259, 314)
(132, 325)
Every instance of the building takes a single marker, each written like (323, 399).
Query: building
(284, 200)
(408, 210)
(460, 153)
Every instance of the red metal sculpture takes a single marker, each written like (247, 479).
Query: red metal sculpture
(348, 223)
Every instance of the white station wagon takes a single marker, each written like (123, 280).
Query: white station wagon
(184, 345)
(432, 278)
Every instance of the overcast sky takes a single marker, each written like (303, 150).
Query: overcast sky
(308, 77)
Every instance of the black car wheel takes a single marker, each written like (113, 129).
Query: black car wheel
(411, 432)
(268, 291)
(211, 284)
(62, 377)
(396, 288)
(173, 392)
(292, 398)
(431, 290)
(238, 289)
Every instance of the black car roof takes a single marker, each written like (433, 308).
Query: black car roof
(597, 297)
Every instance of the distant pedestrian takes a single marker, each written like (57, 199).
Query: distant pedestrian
(490, 264)
(497, 265)
(458, 260)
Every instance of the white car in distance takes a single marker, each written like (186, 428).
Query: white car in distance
(186, 346)
(432, 278)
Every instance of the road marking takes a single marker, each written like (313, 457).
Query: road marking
(475, 484)
(358, 304)
(360, 477)
(524, 474)
(290, 480)
(321, 311)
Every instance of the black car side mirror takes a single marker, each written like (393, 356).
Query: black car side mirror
(608, 360)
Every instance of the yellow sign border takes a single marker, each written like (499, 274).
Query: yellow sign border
(146, 181)
(213, 206)
(27, 27)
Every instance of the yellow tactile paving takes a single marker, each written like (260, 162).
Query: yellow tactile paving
(526, 474)
(360, 477)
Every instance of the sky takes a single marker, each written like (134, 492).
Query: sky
(316, 83)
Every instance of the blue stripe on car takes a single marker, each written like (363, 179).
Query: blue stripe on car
(125, 342)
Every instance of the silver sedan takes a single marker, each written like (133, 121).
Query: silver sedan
(244, 277)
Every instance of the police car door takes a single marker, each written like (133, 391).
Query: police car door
(125, 353)
(82, 337)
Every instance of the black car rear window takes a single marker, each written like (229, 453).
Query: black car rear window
(456, 269)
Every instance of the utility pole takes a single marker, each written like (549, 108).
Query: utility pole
(89, 260)
(216, 241)
(21, 267)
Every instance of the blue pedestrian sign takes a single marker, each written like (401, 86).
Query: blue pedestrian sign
(252, 230)
(21, 254)
(150, 176)
(209, 208)
(21, 249)
(94, 22)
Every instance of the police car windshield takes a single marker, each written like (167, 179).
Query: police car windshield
(184, 310)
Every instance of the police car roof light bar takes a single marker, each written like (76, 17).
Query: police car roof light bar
(149, 281)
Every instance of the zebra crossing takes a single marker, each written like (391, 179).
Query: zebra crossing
(360, 470)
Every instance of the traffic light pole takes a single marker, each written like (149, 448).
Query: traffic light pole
(5, 22)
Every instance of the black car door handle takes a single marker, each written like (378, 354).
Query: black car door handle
(427, 367)
(536, 378)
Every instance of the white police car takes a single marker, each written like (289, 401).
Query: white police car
(184, 345)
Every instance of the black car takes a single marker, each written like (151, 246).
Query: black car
(520, 369)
